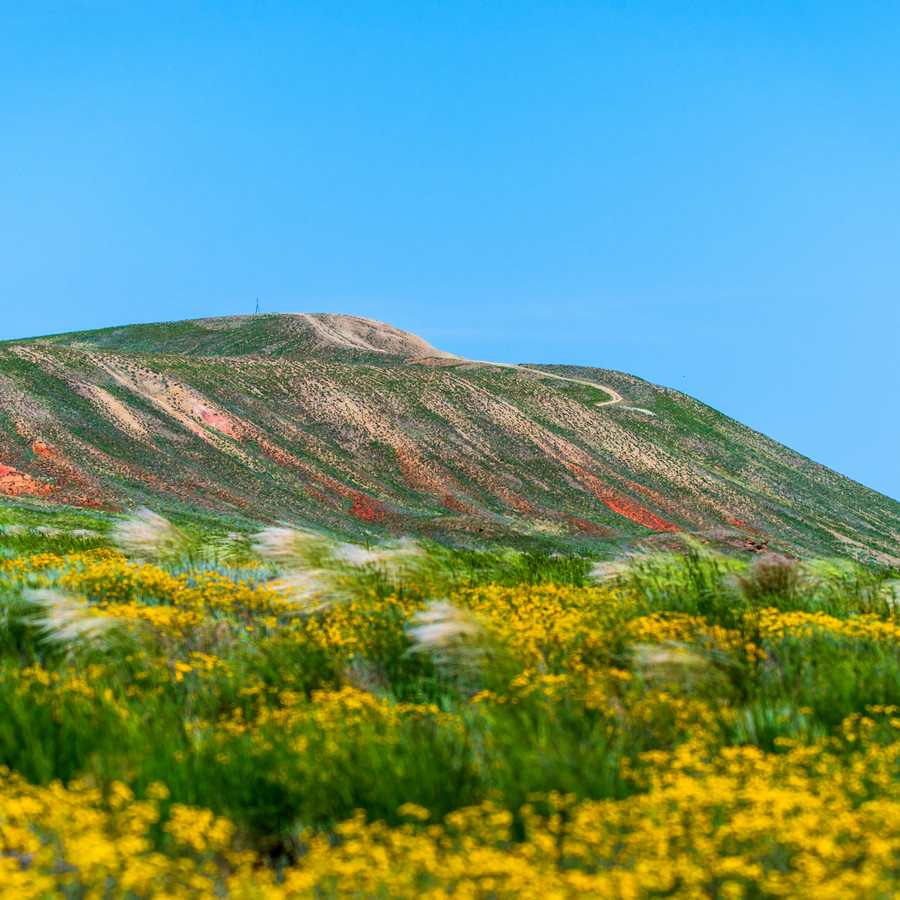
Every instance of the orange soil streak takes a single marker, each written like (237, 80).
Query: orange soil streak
(421, 478)
(338, 489)
(277, 455)
(68, 482)
(661, 501)
(416, 472)
(368, 509)
(637, 513)
(737, 523)
(514, 500)
(364, 507)
(448, 501)
(328, 501)
(14, 483)
(585, 526)
(619, 503)
(304, 469)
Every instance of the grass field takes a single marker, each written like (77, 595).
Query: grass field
(293, 717)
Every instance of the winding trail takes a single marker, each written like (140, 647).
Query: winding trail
(614, 394)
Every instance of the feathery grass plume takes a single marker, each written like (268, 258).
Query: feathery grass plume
(650, 565)
(841, 586)
(301, 548)
(674, 664)
(453, 637)
(659, 574)
(313, 590)
(770, 575)
(233, 549)
(397, 562)
(297, 547)
(671, 664)
(615, 570)
(890, 591)
(314, 577)
(66, 620)
(320, 572)
(149, 535)
(354, 555)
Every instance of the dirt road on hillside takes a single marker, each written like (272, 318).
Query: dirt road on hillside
(616, 396)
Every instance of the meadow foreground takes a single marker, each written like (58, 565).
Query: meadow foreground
(304, 718)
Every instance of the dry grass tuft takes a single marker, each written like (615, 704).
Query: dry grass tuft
(66, 620)
(148, 535)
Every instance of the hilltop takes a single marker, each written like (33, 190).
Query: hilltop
(361, 428)
(283, 336)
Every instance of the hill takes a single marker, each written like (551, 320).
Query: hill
(359, 427)
(299, 336)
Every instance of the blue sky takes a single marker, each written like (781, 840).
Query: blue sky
(706, 195)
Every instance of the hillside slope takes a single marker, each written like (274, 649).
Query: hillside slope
(357, 426)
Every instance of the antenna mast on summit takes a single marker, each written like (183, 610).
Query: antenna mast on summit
(257, 306)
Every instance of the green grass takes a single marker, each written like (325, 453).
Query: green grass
(135, 721)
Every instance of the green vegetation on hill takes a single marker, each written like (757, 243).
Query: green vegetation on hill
(254, 335)
(366, 431)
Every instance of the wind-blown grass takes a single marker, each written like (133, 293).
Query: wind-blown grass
(313, 719)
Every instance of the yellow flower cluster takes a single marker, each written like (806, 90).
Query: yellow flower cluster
(327, 712)
(743, 824)
(681, 627)
(739, 824)
(67, 689)
(775, 624)
(548, 624)
(62, 840)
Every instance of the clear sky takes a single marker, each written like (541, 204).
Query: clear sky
(706, 195)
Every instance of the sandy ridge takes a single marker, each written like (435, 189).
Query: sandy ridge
(368, 335)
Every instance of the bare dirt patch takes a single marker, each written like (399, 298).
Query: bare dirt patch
(369, 336)
(117, 411)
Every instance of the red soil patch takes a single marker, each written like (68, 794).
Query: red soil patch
(737, 523)
(417, 473)
(216, 420)
(448, 501)
(662, 502)
(277, 455)
(67, 478)
(620, 503)
(585, 526)
(368, 509)
(328, 501)
(514, 500)
(14, 483)
(633, 510)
